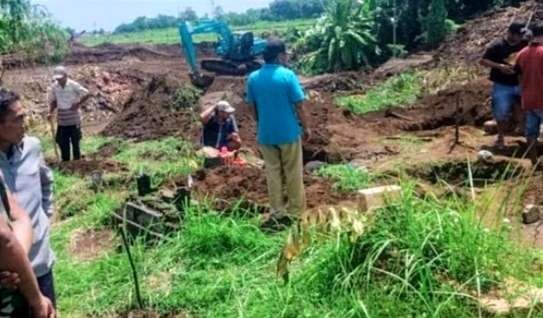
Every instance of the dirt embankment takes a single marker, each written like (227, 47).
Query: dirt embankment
(469, 44)
(152, 113)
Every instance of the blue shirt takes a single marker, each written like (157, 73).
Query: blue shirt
(275, 90)
(31, 183)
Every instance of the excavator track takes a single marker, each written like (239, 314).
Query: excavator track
(221, 67)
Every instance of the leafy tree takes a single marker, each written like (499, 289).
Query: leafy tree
(218, 12)
(436, 22)
(342, 39)
(28, 29)
(188, 15)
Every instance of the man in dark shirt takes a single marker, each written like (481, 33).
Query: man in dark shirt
(500, 57)
(220, 128)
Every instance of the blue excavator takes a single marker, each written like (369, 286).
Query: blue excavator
(237, 52)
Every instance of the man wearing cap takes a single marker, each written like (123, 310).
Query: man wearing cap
(500, 57)
(67, 96)
(220, 128)
(277, 99)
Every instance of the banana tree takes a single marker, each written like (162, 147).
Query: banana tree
(345, 37)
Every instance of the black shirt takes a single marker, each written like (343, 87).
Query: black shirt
(500, 51)
(216, 133)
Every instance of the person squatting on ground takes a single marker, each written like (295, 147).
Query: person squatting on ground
(277, 98)
(67, 96)
(530, 69)
(220, 127)
(500, 57)
(20, 295)
(31, 182)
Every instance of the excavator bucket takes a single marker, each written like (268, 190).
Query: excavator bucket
(202, 81)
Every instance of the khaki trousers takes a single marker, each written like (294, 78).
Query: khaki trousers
(285, 163)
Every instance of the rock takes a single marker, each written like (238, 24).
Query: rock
(491, 127)
(531, 214)
(375, 198)
(313, 166)
(523, 299)
(485, 155)
(359, 164)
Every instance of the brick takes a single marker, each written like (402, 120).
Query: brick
(375, 198)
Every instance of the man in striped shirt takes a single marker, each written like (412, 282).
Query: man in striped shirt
(67, 96)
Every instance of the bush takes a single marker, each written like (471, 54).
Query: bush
(400, 90)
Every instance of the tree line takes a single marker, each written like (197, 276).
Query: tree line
(278, 10)
(352, 34)
(27, 28)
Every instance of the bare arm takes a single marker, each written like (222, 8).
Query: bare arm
(206, 115)
(302, 114)
(304, 120)
(81, 101)
(14, 259)
(504, 68)
(52, 107)
(21, 224)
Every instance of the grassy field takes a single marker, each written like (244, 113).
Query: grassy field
(171, 35)
(420, 257)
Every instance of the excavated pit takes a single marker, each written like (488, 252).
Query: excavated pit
(457, 173)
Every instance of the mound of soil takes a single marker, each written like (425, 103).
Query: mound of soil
(80, 54)
(345, 81)
(468, 104)
(86, 167)
(231, 184)
(148, 114)
(475, 35)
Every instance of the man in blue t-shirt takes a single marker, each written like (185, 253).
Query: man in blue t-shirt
(275, 94)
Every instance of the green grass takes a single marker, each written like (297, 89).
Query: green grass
(161, 159)
(171, 35)
(397, 91)
(420, 257)
(347, 178)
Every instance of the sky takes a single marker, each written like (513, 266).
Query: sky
(108, 14)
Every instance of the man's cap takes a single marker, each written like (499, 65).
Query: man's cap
(60, 72)
(517, 27)
(224, 106)
(274, 47)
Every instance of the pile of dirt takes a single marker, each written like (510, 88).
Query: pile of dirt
(110, 91)
(80, 54)
(230, 184)
(468, 104)
(149, 113)
(344, 81)
(86, 167)
(471, 40)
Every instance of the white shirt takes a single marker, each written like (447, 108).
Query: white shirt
(68, 96)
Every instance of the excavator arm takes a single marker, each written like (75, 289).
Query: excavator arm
(237, 52)
(187, 31)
